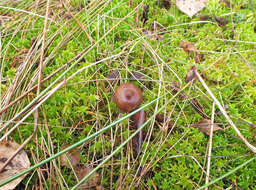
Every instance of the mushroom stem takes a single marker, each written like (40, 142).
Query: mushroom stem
(139, 118)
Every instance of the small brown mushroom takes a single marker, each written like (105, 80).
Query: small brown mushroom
(128, 97)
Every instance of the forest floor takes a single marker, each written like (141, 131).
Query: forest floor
(81, 51)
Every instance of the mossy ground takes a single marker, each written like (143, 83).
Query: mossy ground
(83, 106)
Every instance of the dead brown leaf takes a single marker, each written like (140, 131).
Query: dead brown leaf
(228, 3)
(191, 74)
(152, 35)
(165, 123)
(19, 57)
(73, 156)
(222, 21)
(164, 4)
(82, 171)
(113, 77)
(136, 76)
(198, 58)
(205, 17)
(204, 126)
(19, 163)
(188, 46)
(210, 80)
(199, 108)
(191, 7)
(175, 88)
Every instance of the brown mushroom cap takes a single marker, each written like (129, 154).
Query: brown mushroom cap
(128, 97)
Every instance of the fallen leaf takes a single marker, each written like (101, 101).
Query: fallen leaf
(82, 171)
(165, 122)
(161, 117)
(198, 58)
(204, 126)
(136, 76)
(73, 156)
(19, 163)
(164, 4)
(191, 7)
(204, 17)
(228, 3)
(199, 108)
(191, 74)
(175, 88)
(113, 77)
(222, 21)
(187, 46)
(210, 80)
(19, 57)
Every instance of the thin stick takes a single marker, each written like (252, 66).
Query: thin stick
(42, 48)
(210, 147)
(227, 174)
(79, 23)
(48, 77)
(64, 73)
(51, 92)
(24, 11)
(16, 152)
(225, 114)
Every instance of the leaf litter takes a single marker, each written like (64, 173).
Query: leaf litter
(175, 87)
(113, 77)
(82, 171)
(18, 164)
(204, 126)
(72, 156)
(190, 47)
(191, 7)
(222, 21)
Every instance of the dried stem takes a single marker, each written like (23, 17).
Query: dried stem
(210, 147)
(48, 77)
(225, 114)
(16, 152)
(79, 23)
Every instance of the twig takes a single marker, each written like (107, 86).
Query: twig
(225, 114)
(40, 74)
(51, 92)
(48, 77)
(24, 11)
(79, 23)
(210, 147)
(16, 152)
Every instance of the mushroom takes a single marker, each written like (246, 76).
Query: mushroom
(139, 118)
(128, 97)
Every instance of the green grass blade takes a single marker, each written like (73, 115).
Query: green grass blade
(128, 139)
(76, 144)
(227, 174)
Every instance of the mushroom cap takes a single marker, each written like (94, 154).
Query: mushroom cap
(128, 97)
